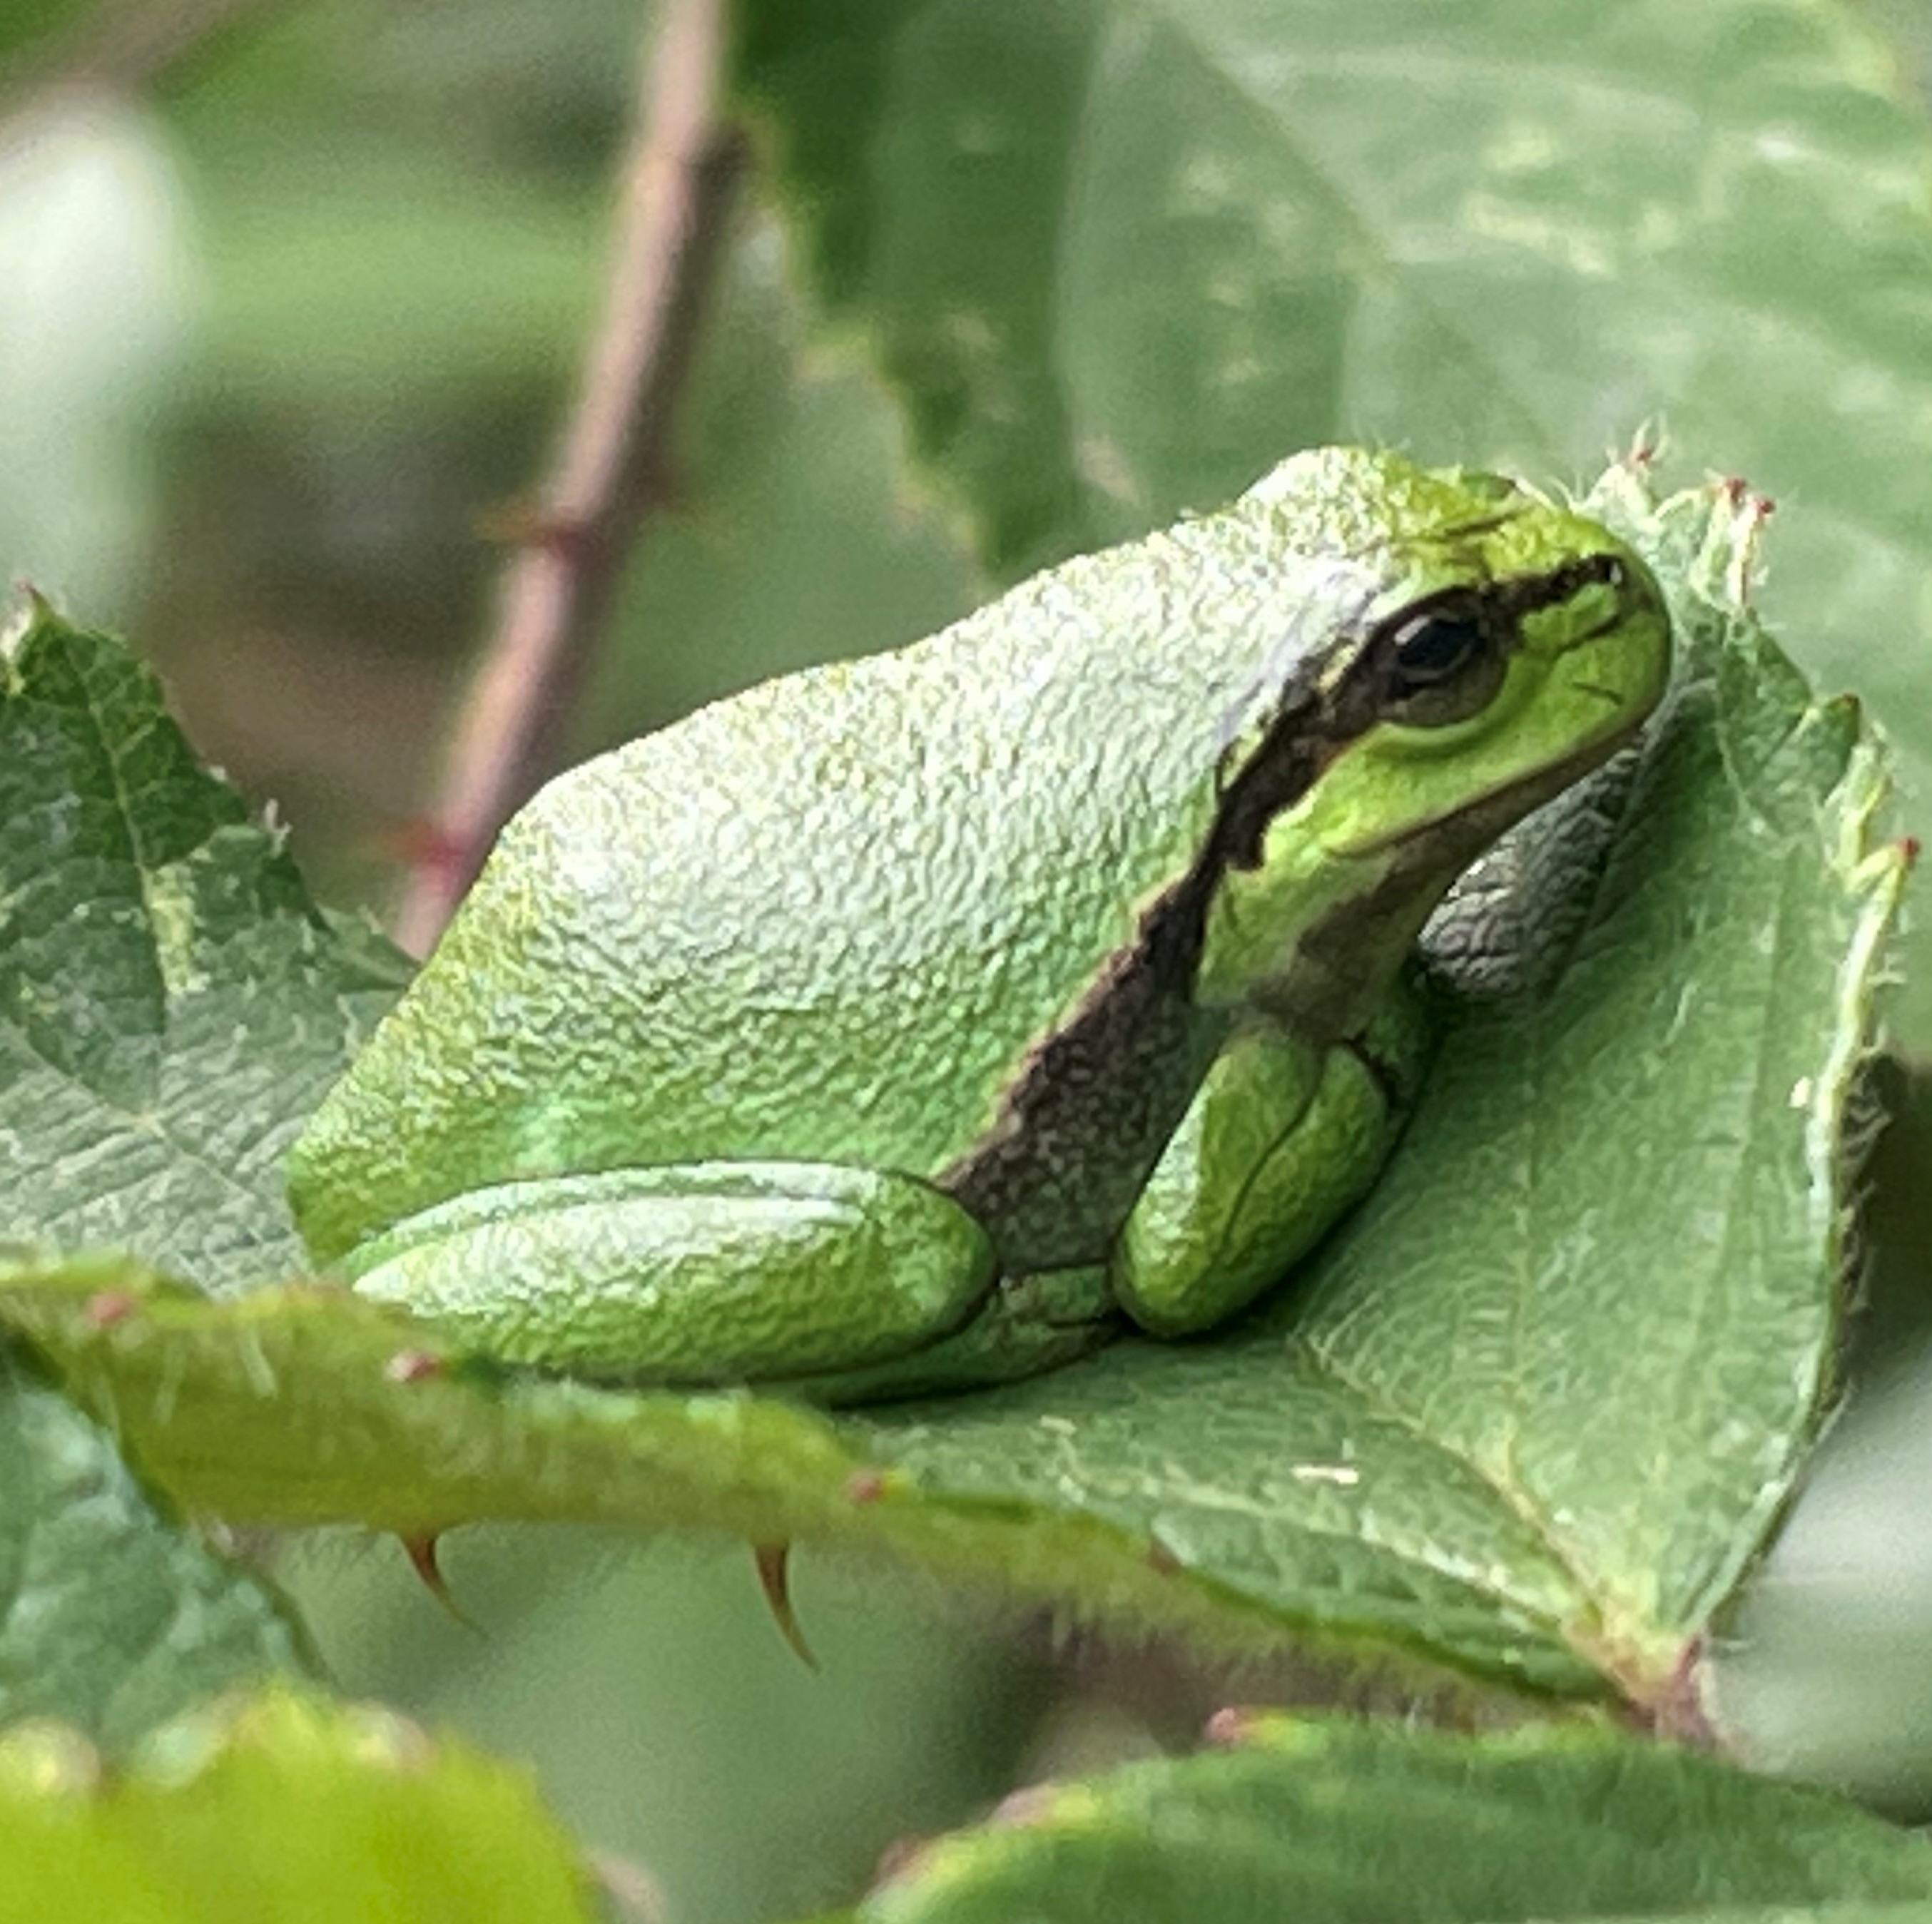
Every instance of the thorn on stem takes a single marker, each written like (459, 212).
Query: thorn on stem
(525, 524)
(421, 1551)
(424, 846)
(774, 1578)
(1232, 1724)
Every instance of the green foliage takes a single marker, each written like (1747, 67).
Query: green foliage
(1485, 1408)
(1355, 1821)
(278, 1807)
(175, 1005)
(1392, 1453)
(1534, 1415)
(117, 1618)
(1393, 1458)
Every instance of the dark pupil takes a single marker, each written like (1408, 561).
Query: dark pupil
(1433, 648)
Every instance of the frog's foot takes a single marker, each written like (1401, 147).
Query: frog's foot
(1280, 1140)
(692, 1274)
(1028, 1325)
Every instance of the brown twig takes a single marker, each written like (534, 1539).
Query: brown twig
(678, 175)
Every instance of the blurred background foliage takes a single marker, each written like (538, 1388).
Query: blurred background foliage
(296, 291)
(284, 326)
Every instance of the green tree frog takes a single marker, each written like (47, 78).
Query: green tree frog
(920, 1021)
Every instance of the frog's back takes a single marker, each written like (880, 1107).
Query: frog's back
(829, 918)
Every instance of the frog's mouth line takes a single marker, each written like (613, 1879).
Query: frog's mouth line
(1613, 695)
(1553, 778)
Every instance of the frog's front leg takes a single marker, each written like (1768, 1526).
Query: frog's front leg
(696, 1273)
(1282, 1136)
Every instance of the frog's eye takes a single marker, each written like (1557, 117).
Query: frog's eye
(1442, 664)
(1433, 649)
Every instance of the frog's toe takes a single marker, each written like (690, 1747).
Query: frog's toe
(1029, 1325)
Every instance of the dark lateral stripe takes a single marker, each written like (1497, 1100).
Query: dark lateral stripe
(1095, 1098)
(1528, 594)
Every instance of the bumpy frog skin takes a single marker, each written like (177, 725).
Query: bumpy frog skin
(918, 1021)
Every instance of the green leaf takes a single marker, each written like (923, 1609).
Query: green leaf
(1822, 1670)
(172, 1006)
(1121, 253)
(278, 1808)
(1486, 1428)
(1530, 1415)
(112, 1617)
(1119, 256)
(1350, 1821)
(1548, 1390)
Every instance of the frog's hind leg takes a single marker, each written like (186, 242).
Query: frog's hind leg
(692, 1274)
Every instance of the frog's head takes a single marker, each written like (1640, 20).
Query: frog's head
(1493, 647)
